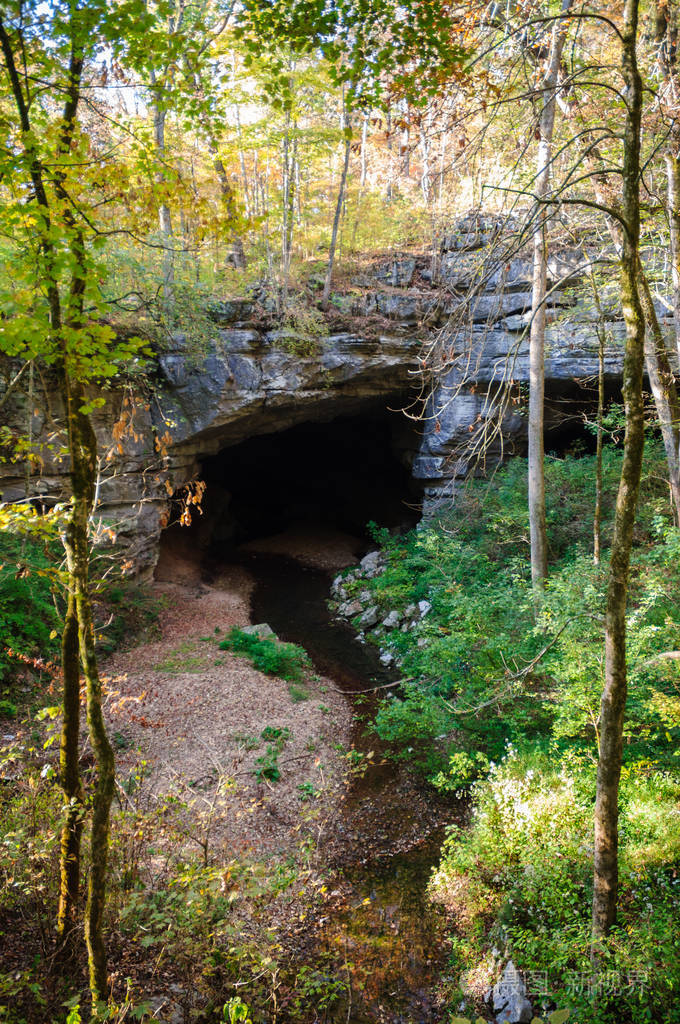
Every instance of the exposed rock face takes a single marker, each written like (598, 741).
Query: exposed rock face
(471, 327)
(249, 383)
(509, 996)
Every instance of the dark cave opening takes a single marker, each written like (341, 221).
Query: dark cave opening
(571, 417)
(335, 475)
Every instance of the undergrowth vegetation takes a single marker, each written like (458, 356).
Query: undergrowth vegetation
(29, 614)
(268, 654)
(32, 605)
(484, 667)
(182, 921)
(501, 700)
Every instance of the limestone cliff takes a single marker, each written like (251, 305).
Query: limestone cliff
(254, 378)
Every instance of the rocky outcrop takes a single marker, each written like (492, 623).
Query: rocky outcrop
(475, 414)
(351, 600)
(462, 313)
(250, 381)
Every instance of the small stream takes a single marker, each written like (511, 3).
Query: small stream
(383, 943)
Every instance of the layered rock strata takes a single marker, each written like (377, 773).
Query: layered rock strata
(463, 313)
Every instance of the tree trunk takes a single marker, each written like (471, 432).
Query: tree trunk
(164, 217)
(285, 254)
(364, 153)
(614, 693)
(71, 833)
(673, 194)
(326, 294)
(667, 42)
(83, 445)
(229, 207)
(536, 482)
(601, 339)
(662, 383)
(242, 163)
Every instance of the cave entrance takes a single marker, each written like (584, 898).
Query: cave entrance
(316, 477)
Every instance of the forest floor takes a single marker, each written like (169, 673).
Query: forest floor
(195, 715)
(370, 829)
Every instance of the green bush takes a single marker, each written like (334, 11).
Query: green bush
(268, 655)
(520, 879)
(483, 667)
(29, 617)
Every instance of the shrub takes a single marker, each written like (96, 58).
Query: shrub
(482, 668)
(29, 618)
(268, 655)
(520, 879)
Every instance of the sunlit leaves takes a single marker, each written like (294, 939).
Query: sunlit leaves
(373, 47)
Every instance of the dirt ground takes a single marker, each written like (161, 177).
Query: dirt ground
(316, 548)
(196, 715)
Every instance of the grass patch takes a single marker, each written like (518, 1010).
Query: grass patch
(298, 693)
(267, 766)
(184, 658)
(269, 655)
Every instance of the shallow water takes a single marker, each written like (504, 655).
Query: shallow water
(382, 944)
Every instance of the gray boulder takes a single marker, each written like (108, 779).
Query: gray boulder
(262, 629)
(370, 617)
(350, 608)
(510, 1003)
(370, 563)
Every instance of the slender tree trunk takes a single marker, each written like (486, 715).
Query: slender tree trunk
(597, 518)
(297, 182)
(662, 383)
(425, 176)
(536, 483)
(536, 475)
(242, 162)
(669, 98)
(83, 475)
(292, 190)
(390, 167)
(364, 152)
(164, 216)
(673, 194)
(405, 144)
(326, 294)
(229, 207)
(285, 255)
(363, 175)
(614, 693)
(71, 833)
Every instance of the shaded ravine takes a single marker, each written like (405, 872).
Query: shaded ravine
(382, 941)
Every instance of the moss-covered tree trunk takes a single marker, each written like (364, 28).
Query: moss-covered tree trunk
(69, 865)
(83, 475)
(69, 861)
(614, 693)
(666, 32)
(65, 289)
(601, 341)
